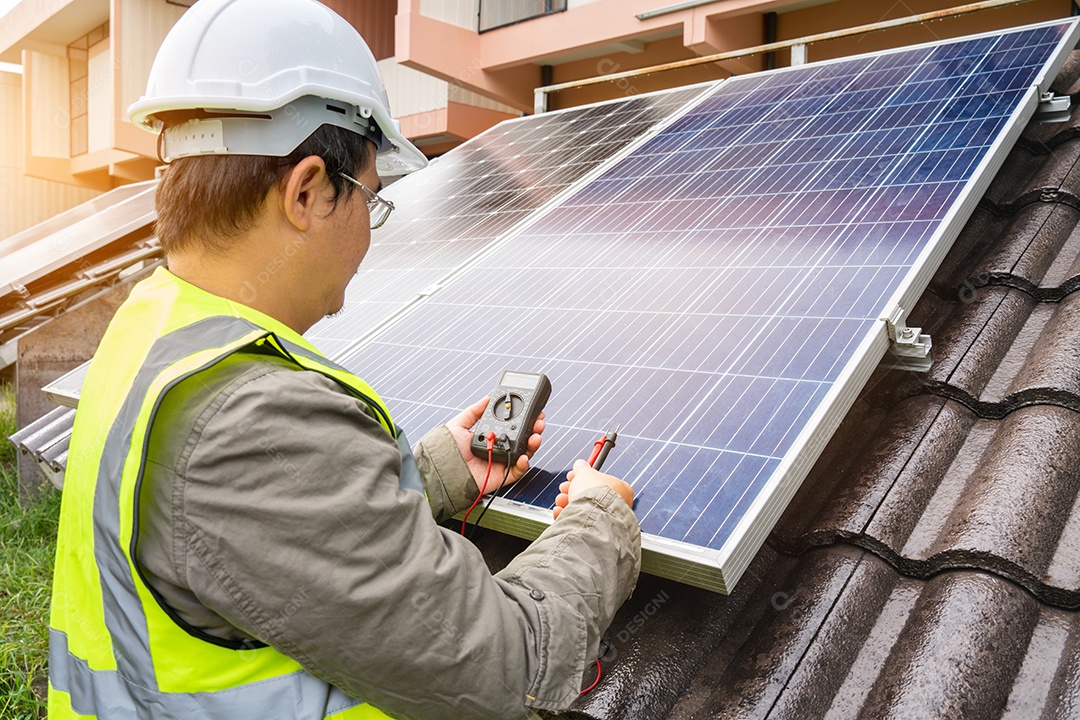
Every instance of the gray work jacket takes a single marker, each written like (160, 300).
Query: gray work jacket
(271, 510)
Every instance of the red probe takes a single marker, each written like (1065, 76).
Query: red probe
(601, 448)
(490, 449)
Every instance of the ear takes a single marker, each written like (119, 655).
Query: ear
(300, 193)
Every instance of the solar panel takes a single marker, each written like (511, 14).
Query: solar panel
(67, 389)
(469, 197)
(720, 290)
(65, 238)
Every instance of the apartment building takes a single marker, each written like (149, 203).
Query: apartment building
(63, 121)
(504, 48)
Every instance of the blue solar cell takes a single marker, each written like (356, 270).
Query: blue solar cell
(710, 290)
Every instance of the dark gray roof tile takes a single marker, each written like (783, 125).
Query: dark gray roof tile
(841, 634)
(885, 467)
(958, 651)
(1035, 249)
(1014, 505)
(940, 488)
(997, 348)
(1064, 271)
(1051, 371)
(804, 636)
(1030, 246)
(654, 653)
(1021, 177)
(972, 338)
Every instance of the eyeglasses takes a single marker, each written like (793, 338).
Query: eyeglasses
(378, 209)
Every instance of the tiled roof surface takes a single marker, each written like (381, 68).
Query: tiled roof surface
(930, 564)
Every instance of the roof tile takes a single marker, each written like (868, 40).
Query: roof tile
(957, 652)
(841, 634)
(1033, 241)
(972, 338)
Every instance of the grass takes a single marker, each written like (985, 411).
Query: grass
(27, 545)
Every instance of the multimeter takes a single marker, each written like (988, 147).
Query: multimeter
(516, 402)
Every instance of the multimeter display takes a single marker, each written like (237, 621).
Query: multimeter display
(519, 380)
(515, 404)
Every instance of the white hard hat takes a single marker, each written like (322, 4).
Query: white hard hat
(259, 76)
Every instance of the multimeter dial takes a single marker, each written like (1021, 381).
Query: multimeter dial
(507, 407)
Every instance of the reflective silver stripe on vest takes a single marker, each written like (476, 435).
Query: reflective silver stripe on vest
(105, 694)
(410, 474)
(124, 615)
(132, 689)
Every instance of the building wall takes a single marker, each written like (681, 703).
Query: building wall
(46, 78)
(465, 13)
(598, 37)
(138, 29)
(374, 19)
(462, 13)
(655, 53)
(25, 201)
(467, 97)
(411, 91)
(99, 97)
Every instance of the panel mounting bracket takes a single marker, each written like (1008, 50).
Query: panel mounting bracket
(1053, 108)
(909, 348)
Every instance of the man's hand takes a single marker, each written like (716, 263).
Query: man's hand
(461, 428)
(583, 477)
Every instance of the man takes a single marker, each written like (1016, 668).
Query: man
(245, 533)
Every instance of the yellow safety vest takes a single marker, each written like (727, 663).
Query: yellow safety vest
(114, 650)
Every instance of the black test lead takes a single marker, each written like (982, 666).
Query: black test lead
(602, 447)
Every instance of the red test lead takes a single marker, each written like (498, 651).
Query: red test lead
(489, 441)
(601, 448)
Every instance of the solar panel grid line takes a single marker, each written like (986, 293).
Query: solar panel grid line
(667, 448)
(597, 115)
(794, 197)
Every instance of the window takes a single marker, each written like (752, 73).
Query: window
(499, 13)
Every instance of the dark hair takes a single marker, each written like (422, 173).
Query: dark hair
(207, 198)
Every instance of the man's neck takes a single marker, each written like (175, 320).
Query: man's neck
(222, 276)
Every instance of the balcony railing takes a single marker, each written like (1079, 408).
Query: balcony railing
(500, 13)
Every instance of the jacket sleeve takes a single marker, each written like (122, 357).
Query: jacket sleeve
(448, 484)
(298, 534)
